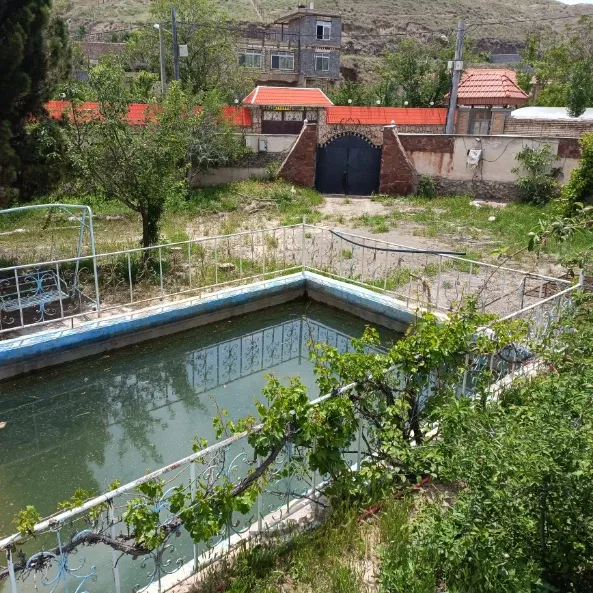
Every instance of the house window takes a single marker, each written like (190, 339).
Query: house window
(324, 30)
(283, 61)
(250, 59)
(321, 63)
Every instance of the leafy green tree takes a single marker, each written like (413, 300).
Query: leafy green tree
(416, 73)
(561, 66)
(350, 93)
(212, 62)
(140, 165)
(136, 165)
(33, 59)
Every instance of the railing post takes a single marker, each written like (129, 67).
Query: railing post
(130, 279)
(189, 270)
(161, 272)
(215, 261)
(263, 249)
(11, 574)
(114, 556)
(193, 489)
(523, 292)
(359, 445)
(260, 522)
(94, 256)
(59, 291)
(18, 296)
(303, 246)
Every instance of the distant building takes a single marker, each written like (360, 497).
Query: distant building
(299, 49)
(485, 98)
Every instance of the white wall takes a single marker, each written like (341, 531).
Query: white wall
(498, 158)
(227, 175)
(276, 142)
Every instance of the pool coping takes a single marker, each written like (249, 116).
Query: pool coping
(51, 347)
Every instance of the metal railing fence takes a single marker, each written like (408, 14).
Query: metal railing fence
(36, 295)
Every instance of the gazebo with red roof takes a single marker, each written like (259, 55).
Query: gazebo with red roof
(283, 110)
(485, 98)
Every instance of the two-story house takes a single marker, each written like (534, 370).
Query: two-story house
(299, 49)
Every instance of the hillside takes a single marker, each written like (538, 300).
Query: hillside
(370, 25)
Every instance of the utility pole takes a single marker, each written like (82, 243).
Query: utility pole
(162, 49)
(175, 45)
(457, 70)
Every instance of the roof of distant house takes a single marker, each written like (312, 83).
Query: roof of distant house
(305, 11)
(139, 113)
(384, 116)
(550, 113)
(485, 86)
(287, 96)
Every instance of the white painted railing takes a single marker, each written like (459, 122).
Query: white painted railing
(123, 281)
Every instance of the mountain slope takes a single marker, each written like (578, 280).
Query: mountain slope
(370, 25)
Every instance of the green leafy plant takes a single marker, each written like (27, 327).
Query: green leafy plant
(538, 186)
(426, 187)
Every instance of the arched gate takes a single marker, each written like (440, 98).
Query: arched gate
(348, 164)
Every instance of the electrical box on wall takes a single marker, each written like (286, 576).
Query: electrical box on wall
(474, 156)
(263, 145)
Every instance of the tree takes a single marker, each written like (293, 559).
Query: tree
(141, 165)
(562, 66)
(212, 62)
(417, 73)
(33, 59)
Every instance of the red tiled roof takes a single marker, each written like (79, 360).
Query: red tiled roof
(138, 113)
(383, 116)
(490, 87)
(287, 96)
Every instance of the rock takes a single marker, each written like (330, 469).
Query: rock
(73, 219)
(114, 217)
(492, 219)
(227, 267)
(2, 425)
(475, 204)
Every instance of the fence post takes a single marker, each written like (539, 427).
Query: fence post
(18, 296)
(114, 556)
(192, 489)
(303, 242)
(11, 570)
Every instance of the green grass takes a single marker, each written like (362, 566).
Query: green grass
(207, 211)
(328, 559)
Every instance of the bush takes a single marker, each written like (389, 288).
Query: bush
(539, 185)
(426, 187)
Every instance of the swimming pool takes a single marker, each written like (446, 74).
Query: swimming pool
(123, 413)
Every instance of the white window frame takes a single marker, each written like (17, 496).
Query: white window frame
(326, 34)
(324, 61)
(282, 55)
(252, 53)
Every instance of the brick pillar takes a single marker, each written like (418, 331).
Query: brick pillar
(299, 165)
(498, 120)
(462, 125)
(398, 174)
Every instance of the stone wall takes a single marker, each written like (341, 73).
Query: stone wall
(502, 191)
(299, 165)
(549, 128)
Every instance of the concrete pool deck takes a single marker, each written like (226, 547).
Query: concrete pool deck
(48, 348)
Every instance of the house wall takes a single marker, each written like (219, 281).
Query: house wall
(277, 143)
(308, 64)
(445, 159)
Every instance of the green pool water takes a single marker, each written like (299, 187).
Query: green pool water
(118, 415)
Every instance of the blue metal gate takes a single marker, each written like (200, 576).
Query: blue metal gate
(348, 164)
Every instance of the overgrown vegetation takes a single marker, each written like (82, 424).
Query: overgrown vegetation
(539, 185)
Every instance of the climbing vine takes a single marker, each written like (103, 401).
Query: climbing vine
(392, 404)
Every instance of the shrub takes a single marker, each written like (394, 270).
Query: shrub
(426, 187)
(538, 186)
